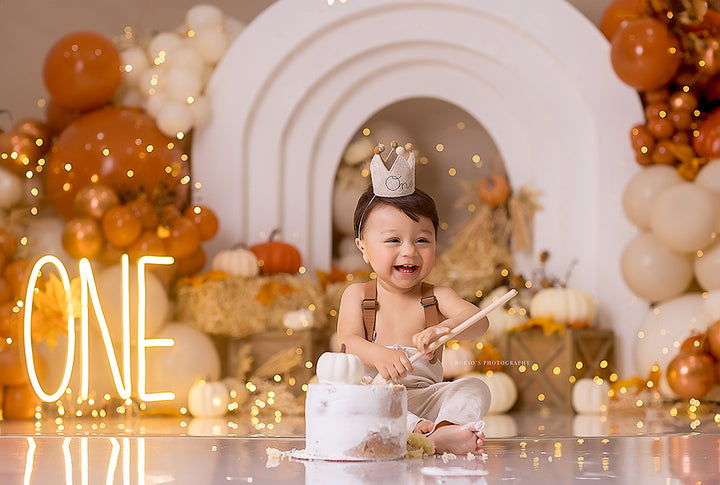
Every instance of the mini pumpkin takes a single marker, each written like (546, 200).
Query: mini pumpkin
(277, 256)
(236, 262)
(340, 368)
(590, 396)
(564, 305)
(494, 190)
(208, 399)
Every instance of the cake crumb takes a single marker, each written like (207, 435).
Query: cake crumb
(274, 456)
(419, 446)
(470, 456)
(447, 456)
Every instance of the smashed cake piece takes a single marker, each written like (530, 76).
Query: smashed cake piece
(419, 446)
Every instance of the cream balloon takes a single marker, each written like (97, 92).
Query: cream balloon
(12, 189)
(152, 81)
(44, 236)
(233, 28)
(652, 271)
(684, 217)
(643, 188)
(174, 118)
(134, 62)
(175, 369)
(182, 83)
(109, 286)
(210, 43)
(201, 16)
(707, 268)
(709, 176)
(187, 57)
(712, 306)
(163, 45)
(665, 327)
(154, 104)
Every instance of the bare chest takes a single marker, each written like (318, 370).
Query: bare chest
(397, 321)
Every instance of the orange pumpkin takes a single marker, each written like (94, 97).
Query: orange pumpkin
(277, 256)
(494, 191)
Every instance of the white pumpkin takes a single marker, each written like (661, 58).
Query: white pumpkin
(208, 399)
(503, 390)
(590, 396)
(563, 305)
(236, 262)
(500, 426)
(339, 367)
(298, 319)
(501, 320)
(457, 360)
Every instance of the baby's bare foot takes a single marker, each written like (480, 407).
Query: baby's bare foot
(457, 439)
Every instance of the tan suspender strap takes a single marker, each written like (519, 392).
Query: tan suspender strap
(369, 308)
(429, 304)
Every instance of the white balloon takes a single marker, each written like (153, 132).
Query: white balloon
(151, 81)
(685, 216)
(44, 236)
(643, 188)
(175, 369)
(182, 83)
(200, 110)
(652, 271)
(210, 44)
(712, 306)
(166, 42)
(153, 104)
(109, 286)
(12, 189)
(174, 118)
(134, 62)
(707, 268)
(186, 56)
(201, 16)
(129, 97)
(709, 176)
(664, 329)
(233, 28)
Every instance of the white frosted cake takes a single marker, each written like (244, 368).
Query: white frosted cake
(355, 422)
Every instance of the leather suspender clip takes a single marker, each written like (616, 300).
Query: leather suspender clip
(428, 300)
(371, 304)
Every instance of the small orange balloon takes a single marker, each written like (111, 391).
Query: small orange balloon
(37, 129)
(183, 239)
(205, 219)
(8, 243)
(17, 274)
(618, 13)
(19, 402)
(19, 153)
(82, 71)
(5, 293)
(713, 338)
(120, 226)
(144, 211)
(148, 244)
(82, 237)
(12, 364)
(59, 117)
(191, 264)
(691, 374)
(110, 254)
(10, 321)
(94, 200)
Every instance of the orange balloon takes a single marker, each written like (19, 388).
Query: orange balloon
(183, 239)
(144, 211)
(10, 321)
(17, 274)
(148, 244)
(192, 264)
(120, 226)
(82, 71)
(691, 374)
(94, 200)
(205, 219)
(8, 243)
(644, 54)
(20, 402)
(59, 117)
(713, 339)
(37, 129)
(110, 254)
(13, 370)
(120, 148)
(5, 293)
(82, 238)
(19, 152)
(618, 13)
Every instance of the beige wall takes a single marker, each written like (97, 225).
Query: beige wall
(28, 28)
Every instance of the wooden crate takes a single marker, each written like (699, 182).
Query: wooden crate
(544, 367)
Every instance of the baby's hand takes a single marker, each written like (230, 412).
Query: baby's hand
(422, 340)
(392, 363)
(424, 427)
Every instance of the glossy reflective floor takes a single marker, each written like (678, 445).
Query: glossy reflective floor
(633, 449)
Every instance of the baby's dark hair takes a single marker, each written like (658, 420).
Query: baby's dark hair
(415, 205)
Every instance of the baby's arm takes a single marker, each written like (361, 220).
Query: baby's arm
(457, 310)
(390, 363)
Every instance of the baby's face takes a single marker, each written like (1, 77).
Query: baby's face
(400, 250)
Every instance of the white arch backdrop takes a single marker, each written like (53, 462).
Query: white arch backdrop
(297, 83)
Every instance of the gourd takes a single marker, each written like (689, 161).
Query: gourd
(340, 368)
(457, 360)
(502, 389)
(563, 305)
(493, 191)
(208, 399)
(277, 256)
(590, 396)
(236, 262)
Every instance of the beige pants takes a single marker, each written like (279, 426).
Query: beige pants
(461, 401)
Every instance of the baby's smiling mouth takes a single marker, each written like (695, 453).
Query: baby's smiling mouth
(406, 268)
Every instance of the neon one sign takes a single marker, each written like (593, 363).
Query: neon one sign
(89, 295)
